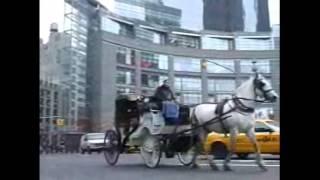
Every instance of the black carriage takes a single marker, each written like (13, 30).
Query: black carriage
(139, 123)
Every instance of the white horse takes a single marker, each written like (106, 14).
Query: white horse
(240, 110)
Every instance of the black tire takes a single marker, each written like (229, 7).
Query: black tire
(83, 151)
(152, 159)
(243, 155)
(111, 149)
(89, 150)
(219, 150)
(182, 159)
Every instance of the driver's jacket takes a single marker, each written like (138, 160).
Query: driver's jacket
(164, 93)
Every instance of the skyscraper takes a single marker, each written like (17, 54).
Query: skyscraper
(236, 15)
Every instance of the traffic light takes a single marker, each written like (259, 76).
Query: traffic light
(60, 122)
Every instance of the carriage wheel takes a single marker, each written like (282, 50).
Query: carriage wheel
(186, 158)
(111, 149)
(151, 151)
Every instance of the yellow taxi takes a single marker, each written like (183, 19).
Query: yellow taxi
(267, 134)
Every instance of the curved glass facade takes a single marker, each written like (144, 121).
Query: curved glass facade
(134, 56)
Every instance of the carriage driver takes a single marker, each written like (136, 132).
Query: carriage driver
(164, 93)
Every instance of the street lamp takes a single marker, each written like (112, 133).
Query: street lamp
(227, 68)
(254, 66)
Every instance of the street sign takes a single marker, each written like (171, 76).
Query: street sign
(60, 122)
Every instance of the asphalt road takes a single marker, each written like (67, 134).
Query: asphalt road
(131, 166)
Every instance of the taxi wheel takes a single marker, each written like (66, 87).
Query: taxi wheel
(219, 150)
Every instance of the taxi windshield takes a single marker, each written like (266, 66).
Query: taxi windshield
(96, 136)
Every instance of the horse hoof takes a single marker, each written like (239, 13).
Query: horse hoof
(263, 167)
(214, 167)
(227, 168)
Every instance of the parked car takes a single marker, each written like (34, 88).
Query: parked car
(267, 134)
(91, 142)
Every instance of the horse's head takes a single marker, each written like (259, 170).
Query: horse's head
(263, 88)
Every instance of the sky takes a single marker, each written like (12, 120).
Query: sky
(53, 11)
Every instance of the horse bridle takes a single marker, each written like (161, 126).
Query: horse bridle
(257, 85)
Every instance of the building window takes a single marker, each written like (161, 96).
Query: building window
(125, 56)
(253, 44)
(187, 64)
(221, 97)
(110, 25)
(154, 61)
(148, 80)
(187, 84)
(191, 98)
(215, 43)
(56, 96)
(47, 112)
(48, 102)
(55, 112)
(262, 65)
(48, 93)
(211, 98)
(134, 10)
(220, 66)
(116, 27)
(184, 41)
(125, 77)
(151, 36)
(122, 90)
(246, 79)
(276, 43)
(163, 18)
(221, 85)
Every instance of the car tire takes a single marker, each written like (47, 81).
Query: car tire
(82, 151)
(219, 150)
(89, 150)
(243, 155)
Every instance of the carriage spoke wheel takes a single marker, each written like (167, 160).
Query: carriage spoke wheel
(186, 158)
(151, 151)
(111, 149)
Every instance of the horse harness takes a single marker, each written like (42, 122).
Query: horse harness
(238, 105)
(219, 112)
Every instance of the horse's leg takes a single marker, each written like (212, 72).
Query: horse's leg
(252, 137)
(206, 153)
(212, 164)
(196, 153)
(200, 138)
(233, 141)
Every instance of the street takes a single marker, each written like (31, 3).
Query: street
(131, 166)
